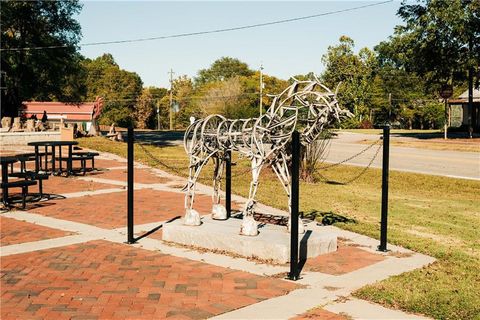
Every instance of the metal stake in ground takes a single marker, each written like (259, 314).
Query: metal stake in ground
(294, 274)
(130, 238)
(386, 155)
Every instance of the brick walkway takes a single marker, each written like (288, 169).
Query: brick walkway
(346, 259)
(14, 232)
(108, 280)
(140, 176)
(69, 185)
(109, 210)
(68, 260)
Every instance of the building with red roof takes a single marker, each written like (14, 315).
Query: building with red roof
(80, 113)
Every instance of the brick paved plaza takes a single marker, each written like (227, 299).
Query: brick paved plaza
(65, 258)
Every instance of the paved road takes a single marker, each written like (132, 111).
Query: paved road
(159, 138)
(465, 165)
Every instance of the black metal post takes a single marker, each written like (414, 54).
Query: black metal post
(294, 274)
(70, 160)
(130, 185)
(5, 180)
(385, 169)
(37, 160)
(228, 183)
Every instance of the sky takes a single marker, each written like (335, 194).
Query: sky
(284, 50)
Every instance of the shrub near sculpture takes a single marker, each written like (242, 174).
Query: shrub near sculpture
(307, 106)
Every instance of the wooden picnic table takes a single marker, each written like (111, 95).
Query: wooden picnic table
(53, 145)
(5, 161)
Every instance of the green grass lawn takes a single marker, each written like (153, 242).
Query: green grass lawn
(429, 214)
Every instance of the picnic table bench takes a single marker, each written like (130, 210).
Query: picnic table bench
(82, 157)
(5, 185)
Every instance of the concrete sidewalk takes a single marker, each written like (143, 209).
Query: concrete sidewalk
(67, 258)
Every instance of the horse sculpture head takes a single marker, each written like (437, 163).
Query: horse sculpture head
(306, 106)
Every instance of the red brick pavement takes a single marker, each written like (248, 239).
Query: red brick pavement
(140, 176)
(110, 210)
(105, 280)
(346, 259)
(14, 231)
(320, 314)
(103, 164)
(61, 185)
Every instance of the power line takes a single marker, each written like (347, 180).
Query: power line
(182, 35)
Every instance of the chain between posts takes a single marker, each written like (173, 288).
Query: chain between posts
(379, 141)
(352, 157)
(176, 170)
(364, 170)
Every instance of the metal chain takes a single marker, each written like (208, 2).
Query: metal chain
(352, 157)
(176, 170)
(364, 169)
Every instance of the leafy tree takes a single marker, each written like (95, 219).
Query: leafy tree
(355, 72)
(395, 96)
(224, 97)
(39, 74)
(119, 88)
(439, 39)
(144, 109)
(271, 86)
(223, 69)
(157, 95)
(184, 98)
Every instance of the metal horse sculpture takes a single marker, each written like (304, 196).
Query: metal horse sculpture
(307, 106)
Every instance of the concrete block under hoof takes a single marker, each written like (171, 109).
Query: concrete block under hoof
(192, 218)
(271, 243)
(219, 212)
(249, 226)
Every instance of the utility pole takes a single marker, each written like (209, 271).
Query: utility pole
(171, 99)
(261, 89)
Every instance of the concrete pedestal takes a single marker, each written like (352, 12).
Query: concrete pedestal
(273, 242)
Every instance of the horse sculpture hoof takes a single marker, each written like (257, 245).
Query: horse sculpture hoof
(219, 212)
(301, 227)
(192, 218)
(249, 226)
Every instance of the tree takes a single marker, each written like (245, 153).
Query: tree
(183, 96)
(156, 94)
(119, 88)
(40, 74)
(355, 72)
(271, 86)
(223, 97)
(144, 109)
(439, 39)
(396, 94)
(223, 69)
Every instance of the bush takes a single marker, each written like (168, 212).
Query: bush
(365, 124)
(312, 154)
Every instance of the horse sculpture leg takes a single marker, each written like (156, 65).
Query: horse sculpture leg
(281, 170)
(192, 217)
(219, 212)
(249, 225)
